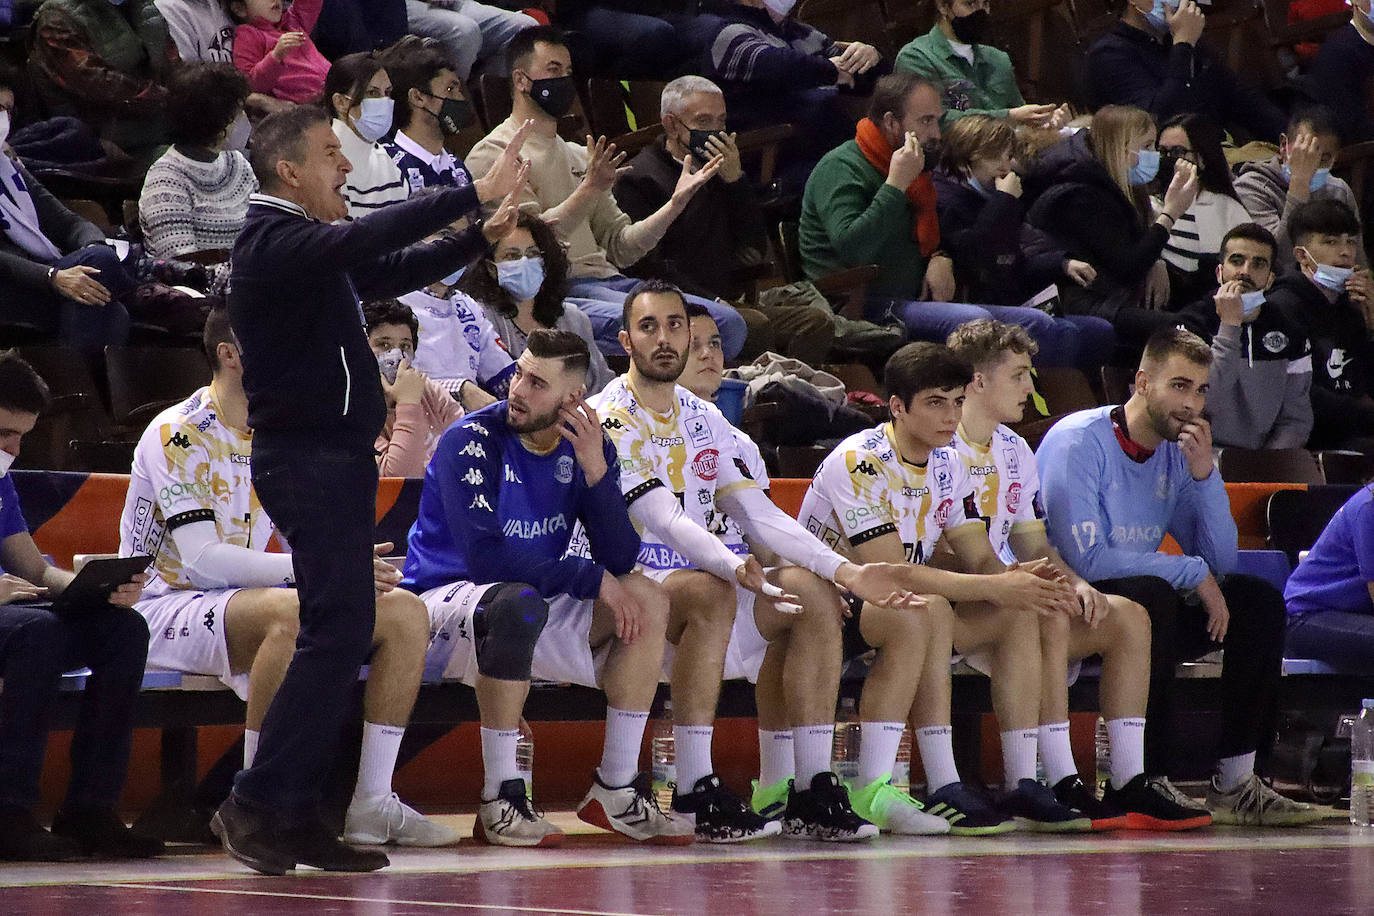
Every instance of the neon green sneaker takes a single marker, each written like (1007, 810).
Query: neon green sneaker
(893, 810)
(770, 801)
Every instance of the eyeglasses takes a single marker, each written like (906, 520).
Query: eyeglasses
(1179, 152)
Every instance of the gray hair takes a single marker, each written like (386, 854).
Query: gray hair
(676, 92)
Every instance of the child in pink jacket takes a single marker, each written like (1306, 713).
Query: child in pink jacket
(275, 50)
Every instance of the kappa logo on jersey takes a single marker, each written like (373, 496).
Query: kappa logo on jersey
(473, 477)
(511, 476)
(1013, 498)
(863, 467)
(563, 472)
(479, 429)
(704, 464)
(474, 449)
(180, 440)
(480, 502)
(942, 512)
(209, 620)
(698, 431)
(612, 423)
(1012, 465)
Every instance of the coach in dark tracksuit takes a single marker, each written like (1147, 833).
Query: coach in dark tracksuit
(316, 406)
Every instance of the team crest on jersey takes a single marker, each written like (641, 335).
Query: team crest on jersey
(942, 512)
(563, 472)
(1013, 498)
(1275, 341)
(704, 464)
(1162, 487)
(699, 431)
(1013, 466)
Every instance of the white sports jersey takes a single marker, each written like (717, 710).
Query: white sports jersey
(457, 343)
(189, 467)
(864, 489)
(1008, 487)
(691, 450)
(753, 461)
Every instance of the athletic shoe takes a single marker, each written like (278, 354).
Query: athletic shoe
(770, 801)
(822, 812)
(1034, 807)
(510, 820)
(719, 815)
(390, 820)
(894, 810)
(23, 839)
(1070, 791)
(633, 811)
(98, 831)
(968, 812)
(1154, 804)
(1254, 803)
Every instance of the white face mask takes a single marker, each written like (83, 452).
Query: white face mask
(4, 126)
(239, 132)
(1250, 303)
(6, 459)
(780, 7)
(374, 118)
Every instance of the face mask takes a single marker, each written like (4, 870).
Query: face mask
(374, 119)
(1332, 277)
(1250, 303)
(1146, 167)
(454, 115)
(1157, 16)
(521, 278)
(389, 362)
(973, 28)
(978, 186)
(239, 133)
(1318, 181)
(931, 151)
(781, 7)
(453, 278)
(6, 459)
(554, 95)
(4, 126)
(696, 144)
(1166, 169)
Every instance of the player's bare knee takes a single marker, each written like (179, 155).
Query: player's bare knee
(1054, 629)
(283, 616)
(652, 599)
(1132, 623)
(402, 619)
(707, 601)
(819, 598)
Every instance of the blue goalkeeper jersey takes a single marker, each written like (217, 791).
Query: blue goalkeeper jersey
(493, 511)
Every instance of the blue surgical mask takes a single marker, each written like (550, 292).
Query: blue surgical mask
(1250, 303)
(521, 278)
(1146, 167)
(1157, 17)
(453, 278)
(374, 119)
(978, 186)
(1319, 177)
(1333, 278)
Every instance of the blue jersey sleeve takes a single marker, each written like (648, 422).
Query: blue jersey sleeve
(606, 519)
(11, 516)
(1203, 525)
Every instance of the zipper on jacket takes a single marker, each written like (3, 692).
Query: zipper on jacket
(348, 380)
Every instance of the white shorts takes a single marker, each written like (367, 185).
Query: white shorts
(744, 654)
(186, 633)
(563, 653)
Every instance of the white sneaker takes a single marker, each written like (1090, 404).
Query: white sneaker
(393, 821)
(1254, 803)
(510, 820)
(633, 811)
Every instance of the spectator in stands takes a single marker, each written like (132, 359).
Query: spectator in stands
(56, 272)
(873, 201)
(350, 26)
(1340, 76)
(1115, 480)
(721, 231)
(1260, 395)
(776, 70)
(357, 94)
(973, 77)
(573, 186)
(1092, 201)
(274, 48)
(1194, 241)
(196, 196)
(430, 106)
(456, 345)
(36, 646)
(1272, 190)
(998, 257)
(473, 32)
(1332, 301)
(1152, 60)
(106, 64)
(417, 410)
(1330, 595)
(201, 29)
(520, 288)
(637, 39)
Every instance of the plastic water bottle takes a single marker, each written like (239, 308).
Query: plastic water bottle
(524, 762)
(1362, 767)
(664, 762)
(901, 770)
(844, 753)
(1102, 743)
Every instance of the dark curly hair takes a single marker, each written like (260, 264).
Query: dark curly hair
(203, 100)
(481, 284)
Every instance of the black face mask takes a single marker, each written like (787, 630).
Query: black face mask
(554, 95)
(931, 151)
(973, 28)
(696, 144)
(454, 114)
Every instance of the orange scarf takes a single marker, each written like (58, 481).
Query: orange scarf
(925, 226)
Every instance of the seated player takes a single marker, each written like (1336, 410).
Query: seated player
(681, 470)
(220, 604)
(1330, 596)
(1007, 501)
(891, 494)
(487, 555)
(1115, 480)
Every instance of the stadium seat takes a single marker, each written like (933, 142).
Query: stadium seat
(145, 380)
(1270, 565)
(846, 287)
(1269, 465)
(1065, 390)
(1346, 467)
(75, 410)
(1296, 518)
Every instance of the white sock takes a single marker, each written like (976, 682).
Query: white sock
(250, 746)
(1057, 752)
(878, 749)
(377, 763)
(813, 745)
(1232, 771)
(1018, 755)
(498, 760)
(1127, 737)
(620, 753)
(936, 744)
(776, 760)
(692, 754)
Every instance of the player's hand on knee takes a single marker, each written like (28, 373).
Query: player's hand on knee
(385, 577)
(750, 576)
(1094, 604)
(629, 613)
(881, 584)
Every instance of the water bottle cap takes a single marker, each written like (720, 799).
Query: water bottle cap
(1367, 704)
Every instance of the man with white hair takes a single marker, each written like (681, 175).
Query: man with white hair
(721, 229)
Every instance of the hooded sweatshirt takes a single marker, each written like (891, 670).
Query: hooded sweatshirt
(1260, 393)
(1264, 192)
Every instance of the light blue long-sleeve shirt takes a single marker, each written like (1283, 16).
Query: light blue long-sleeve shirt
(1107, 514)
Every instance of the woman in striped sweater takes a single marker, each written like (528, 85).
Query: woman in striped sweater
(357, 95)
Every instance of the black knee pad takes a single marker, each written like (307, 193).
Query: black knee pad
(505, 627)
